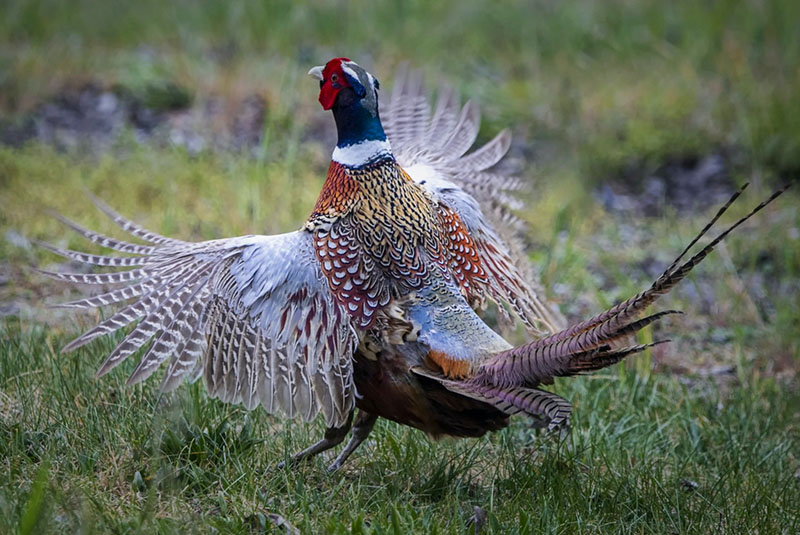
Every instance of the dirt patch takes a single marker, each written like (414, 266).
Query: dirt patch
(688, 184)
(93, 118)
(89, 117)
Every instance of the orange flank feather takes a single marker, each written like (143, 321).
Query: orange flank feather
(452, 368)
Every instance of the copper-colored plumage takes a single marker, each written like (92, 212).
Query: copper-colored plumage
(450, 367)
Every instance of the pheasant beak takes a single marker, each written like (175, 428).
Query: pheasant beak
(316, 72)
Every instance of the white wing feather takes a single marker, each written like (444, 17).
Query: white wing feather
(253, 315)
(431, 148)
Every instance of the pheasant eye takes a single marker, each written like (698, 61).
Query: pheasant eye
(334, 77)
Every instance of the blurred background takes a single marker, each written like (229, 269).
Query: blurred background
(632, 122)
(630, 118)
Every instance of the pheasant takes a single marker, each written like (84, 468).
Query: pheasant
(375, 303)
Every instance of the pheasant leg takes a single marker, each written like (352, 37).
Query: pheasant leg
(333, 437)
(361, 430)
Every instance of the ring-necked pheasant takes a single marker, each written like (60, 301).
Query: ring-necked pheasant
(372, 303)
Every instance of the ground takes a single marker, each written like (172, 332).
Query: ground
(632, 120)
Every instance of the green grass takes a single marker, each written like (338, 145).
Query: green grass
(596, 91)
(610, 82)
(125, 460)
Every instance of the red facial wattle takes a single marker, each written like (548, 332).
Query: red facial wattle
(331, 84)
(327, 95)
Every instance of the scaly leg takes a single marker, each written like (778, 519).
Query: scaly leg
(361, 430)
(333, 437)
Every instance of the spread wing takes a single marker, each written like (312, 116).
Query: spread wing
(431, 147)
(253, 315)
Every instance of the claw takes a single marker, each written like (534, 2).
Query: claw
(334, 466)
(361, 430)
(333, 437)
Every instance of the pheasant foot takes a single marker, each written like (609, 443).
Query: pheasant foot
(361, 430)
(333, 437)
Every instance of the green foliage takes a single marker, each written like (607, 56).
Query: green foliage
(34, 511)
(597, 90)
(644, 454)
(610, 81)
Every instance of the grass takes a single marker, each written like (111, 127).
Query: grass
(610, 82)
(644, 455)
(700, 435)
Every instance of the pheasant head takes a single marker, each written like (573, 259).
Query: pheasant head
(352, 94)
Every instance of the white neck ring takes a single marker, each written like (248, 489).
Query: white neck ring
(361, 153)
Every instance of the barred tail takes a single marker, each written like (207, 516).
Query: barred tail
(590, 345)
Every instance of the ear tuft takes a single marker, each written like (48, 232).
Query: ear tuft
(356, 85)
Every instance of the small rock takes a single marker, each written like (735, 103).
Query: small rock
(688, 184)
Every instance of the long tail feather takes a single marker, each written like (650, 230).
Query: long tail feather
(599, 359)
(541, 360)
(546, 408)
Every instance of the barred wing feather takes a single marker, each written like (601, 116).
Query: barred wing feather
(253, 315)
(436, 143)
(430, 147)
